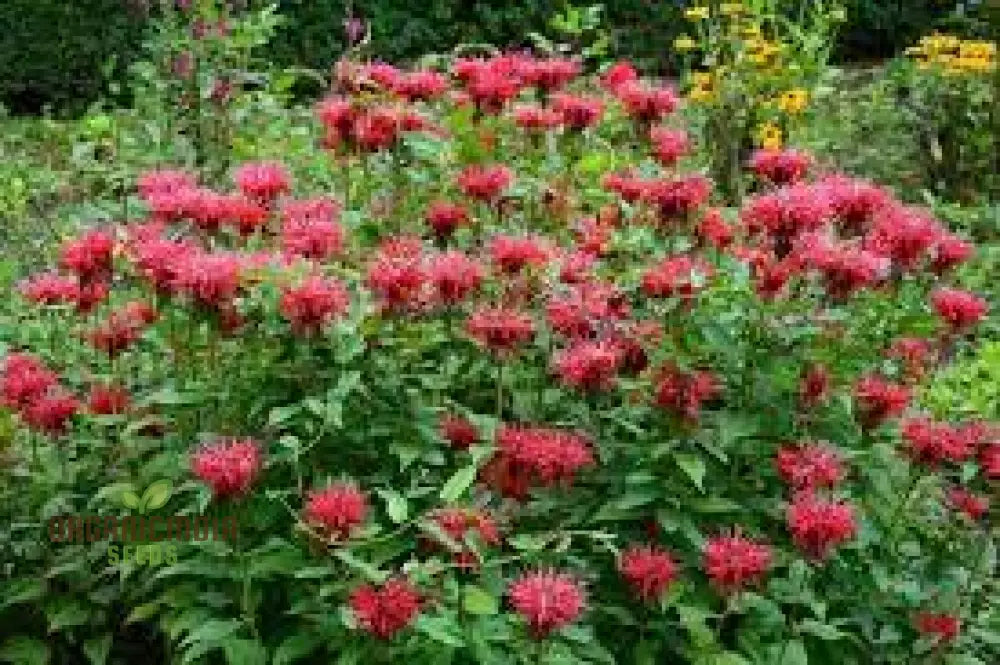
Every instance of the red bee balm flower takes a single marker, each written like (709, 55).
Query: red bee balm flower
(940, 627)
(89, 256)
(809, 466)
(501, 330)
(780, 167)
(262, 181)
(646, 104)
(589, 365)
(548, 600)
(385, 611)
(485, 183)
(310, 229)
(337, 509)
(676, 276)
(733, 561)
(445, 217)
(513, 253)
(458, 431)
(968, 503)
(577, 112)
(211, 280)
(51, 413)
(313, 303)
(989, 460)
(454, 276)
(678, 198)
(108, 400)
(959, 309)
(819, 526)
(423, 85)
(714, 230)
(457, 522)
(683, 393)
(669, 145)
(933, 443)
(536, 118)
(24, 380)
(877, 399)
(648, 571)
(228, 466)
(618, 74)
(814, 385)
(550, 454)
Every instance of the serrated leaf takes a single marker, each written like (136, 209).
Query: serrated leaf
(477, 600)
(440, 629)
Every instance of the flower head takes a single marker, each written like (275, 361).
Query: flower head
(459, 432)
(878, 399)
(940, 627)
(818, 526)
(548, 600)
(648, 570)
(313, 303)
(444, 217)
(731, 562)
(968, 503)
(589, 365)
(89, 256)
(459, 524)
(485, 183)
(386, 610)
(807, 467)
(499, 329)
(337, 510)
(961, 310)
(262, 181)
(108, 400)
(228, 466)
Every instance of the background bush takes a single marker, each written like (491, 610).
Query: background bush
(56, 52)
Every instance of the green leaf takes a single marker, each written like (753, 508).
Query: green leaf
(156, 495)
(66, 613)
(24, 651)
(693, 466)
(97, 649)
(371, 573)
(207, 636)
(22, 591)
(794, 653)
(294, 647)
(821, 630)
(479, 601)
(245, 652)
(441, 629)
(395, 505)
(457, 485)
(130, 499)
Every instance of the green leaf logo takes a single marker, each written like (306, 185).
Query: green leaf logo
(155, 497)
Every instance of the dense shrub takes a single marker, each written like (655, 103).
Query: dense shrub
(482, 381)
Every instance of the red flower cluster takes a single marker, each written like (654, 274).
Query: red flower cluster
(262, 181)
(678, 198)
(731, 562)
(714, 230)
(545, 454)
(959, 309)
(386, 610)
(677, 276)
(108, 400)
(458, 524)
(458, 431)
(512, 254)
(397, 273)
(337, 510)
(453, 276)
(500, 330)
(939, 626)
(228, 466)
(915, 354)
(536, 118)
(310, 229)
(485, 183)
(586, 308)
(312, 304)
(807, 467)
(669, 145)
(420, 85)
(684, 392)
(209, 280)
(444, 217)
(630, 187)
(648, 570)
(781, 167)
(646, 105)
(814, 385)
(989, 460)
(122, 328)
(818, 526)
(933, 443)
(968, 503)
(577, 112)
(547, 599)
(52, 289)
(618, 74)
(89, 257)
(589, 365)
(878, 399)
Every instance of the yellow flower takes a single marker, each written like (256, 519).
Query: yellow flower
(685, 43)
(696, 13)
(702, 87)
(731, 8)
(769, 136)
(793, 101)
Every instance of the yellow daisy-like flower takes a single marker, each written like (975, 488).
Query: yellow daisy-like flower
(770, 136)
(696, 13)
(702, 87)
(794, 101)
(685, 43)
